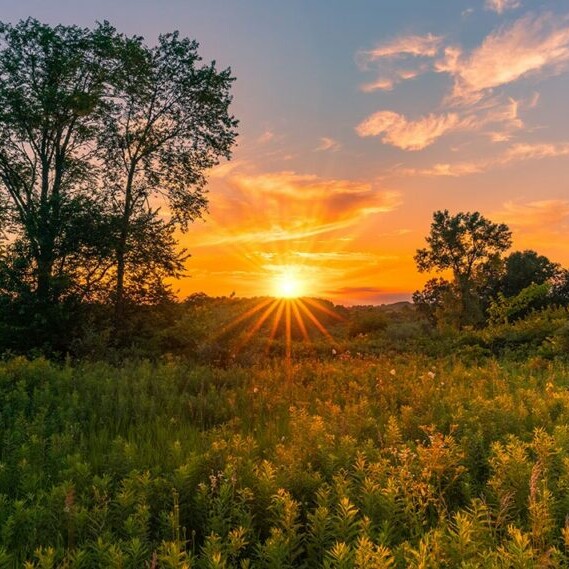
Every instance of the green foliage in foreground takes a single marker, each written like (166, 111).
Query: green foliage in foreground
(337, 463)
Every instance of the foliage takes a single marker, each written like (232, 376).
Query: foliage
(52, 83)
(524, 268)
(330, 462)
(503, 310)
(167, 123)
(437, 296)
(97, 132)
(463, 243)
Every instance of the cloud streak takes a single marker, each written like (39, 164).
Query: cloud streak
(410, 45)
(516, 153)
(253, 207)
(397, 130)
(535, 214)
(500, 6)
(328, 144)
(530, 45)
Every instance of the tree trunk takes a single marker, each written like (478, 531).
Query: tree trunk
(44, 278)
(121, 251)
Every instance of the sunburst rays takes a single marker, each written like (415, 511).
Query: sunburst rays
(293, 317)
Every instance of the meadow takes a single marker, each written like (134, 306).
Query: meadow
(354, 456)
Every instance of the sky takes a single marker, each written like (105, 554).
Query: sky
(358, 120)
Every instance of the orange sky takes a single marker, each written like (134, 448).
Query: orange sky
(466, 111)
(357, 121)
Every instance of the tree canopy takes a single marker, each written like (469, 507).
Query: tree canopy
(461, 243)
(104, 147)
(467, 244)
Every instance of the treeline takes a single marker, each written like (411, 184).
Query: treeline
(104, 146)
(485, 286)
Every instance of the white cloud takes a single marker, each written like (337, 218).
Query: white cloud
(531, 45)
(500, 6)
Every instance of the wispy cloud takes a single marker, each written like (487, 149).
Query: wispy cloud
(284, 206)
(342, 256)
(496, 117)
(535, 214)
(531, 45)
(397, 130)
(398, 60)
(328, 144)
(516, 153)
(368, 295)
(413, 45)
(379, 84)
(267, 136)
(500, 6)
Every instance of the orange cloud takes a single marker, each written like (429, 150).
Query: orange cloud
(397, 130)
(536, 214)
(284, 206)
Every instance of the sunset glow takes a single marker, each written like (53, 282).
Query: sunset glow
(348, 142)
(289, 285)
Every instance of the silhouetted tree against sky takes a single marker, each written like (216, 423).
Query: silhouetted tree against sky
(52, 90)
(168, 123)
(462, 244)
(104, 147)
(523, 268)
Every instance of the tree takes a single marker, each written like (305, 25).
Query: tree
(464, 244)
(524, 268)
(508, 309)
(432, 299)
(52, 87)
(167, 124)
(104, 147)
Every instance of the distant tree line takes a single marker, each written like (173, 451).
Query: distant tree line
(104, 147)
(484, 285)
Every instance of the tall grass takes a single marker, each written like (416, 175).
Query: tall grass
(337, 461)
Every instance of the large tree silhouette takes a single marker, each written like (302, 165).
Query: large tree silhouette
(168, 123)
(53, 83)
(104, 147)
(463, 243)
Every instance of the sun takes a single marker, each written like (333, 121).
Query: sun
(288, 285)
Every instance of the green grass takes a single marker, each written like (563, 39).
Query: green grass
(330, 461)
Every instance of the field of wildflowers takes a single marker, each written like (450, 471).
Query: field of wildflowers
(335, 461)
